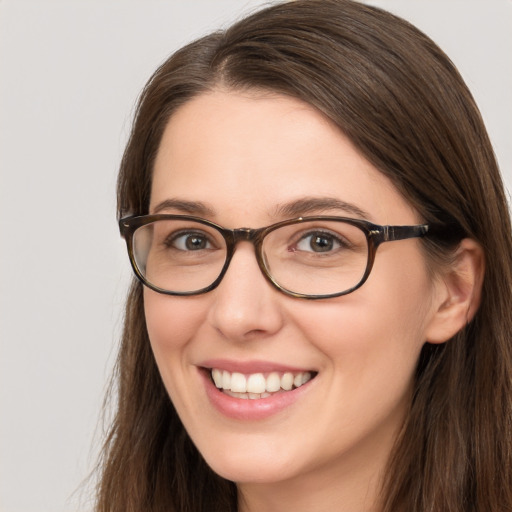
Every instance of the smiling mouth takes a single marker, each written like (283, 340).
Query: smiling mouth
(258, 385)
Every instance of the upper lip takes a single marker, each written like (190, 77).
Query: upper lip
(248, 367)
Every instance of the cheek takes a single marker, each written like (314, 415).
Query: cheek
(171, 323)
(362, 345)
(377, 331)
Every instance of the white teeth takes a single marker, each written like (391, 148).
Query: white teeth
(287, 381)
(255, 385)
(226, 380)
(273, 382)
(244, 396)
(306, 377)
(217, 377)
(238, 383)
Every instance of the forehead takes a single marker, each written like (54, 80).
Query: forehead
(246, 153)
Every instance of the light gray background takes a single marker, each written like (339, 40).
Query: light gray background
(70, 72)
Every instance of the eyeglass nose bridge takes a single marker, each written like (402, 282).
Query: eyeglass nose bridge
(245, 235)
(253, 236)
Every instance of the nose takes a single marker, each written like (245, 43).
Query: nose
(245, 305)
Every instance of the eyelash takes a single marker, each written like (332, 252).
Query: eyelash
(170, 241)
(343, 243)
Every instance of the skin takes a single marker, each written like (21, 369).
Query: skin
(242, 154)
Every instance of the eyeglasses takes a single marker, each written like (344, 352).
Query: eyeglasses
(309, 257)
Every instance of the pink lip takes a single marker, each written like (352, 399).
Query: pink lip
(248, 409)
(248, 367)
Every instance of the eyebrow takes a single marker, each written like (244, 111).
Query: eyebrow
(189, 207)
(297, 208)
(309, 205)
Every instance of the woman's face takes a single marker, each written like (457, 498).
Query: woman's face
(248, 160)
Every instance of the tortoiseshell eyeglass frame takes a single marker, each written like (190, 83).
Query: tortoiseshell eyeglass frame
(375, 235)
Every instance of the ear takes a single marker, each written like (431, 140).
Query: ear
(460, 288)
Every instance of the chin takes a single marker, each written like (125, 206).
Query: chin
(250, 473)
(250, 467)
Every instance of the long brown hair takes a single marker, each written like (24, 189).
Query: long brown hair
(397, 96)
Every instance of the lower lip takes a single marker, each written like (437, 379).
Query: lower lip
(251, 409)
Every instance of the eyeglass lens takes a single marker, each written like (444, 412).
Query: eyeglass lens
(311, 258)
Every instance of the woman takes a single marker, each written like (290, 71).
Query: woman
(272, 357)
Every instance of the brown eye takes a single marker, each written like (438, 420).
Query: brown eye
(189, 242)
(318, 242)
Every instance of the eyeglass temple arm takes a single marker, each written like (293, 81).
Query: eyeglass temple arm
(390, 233)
